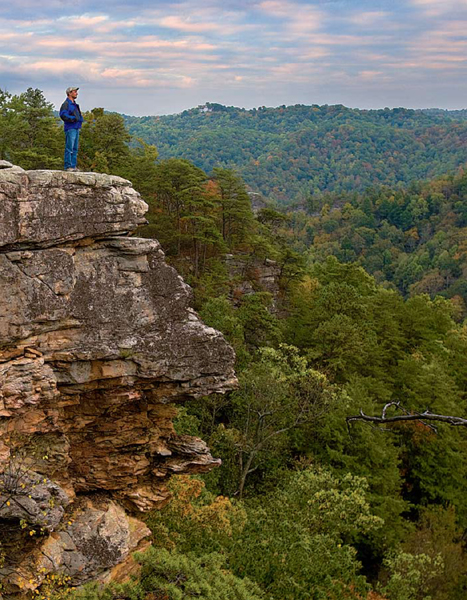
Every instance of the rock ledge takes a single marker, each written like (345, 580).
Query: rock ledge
(98, 340)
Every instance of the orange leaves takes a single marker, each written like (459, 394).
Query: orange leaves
(216, 514)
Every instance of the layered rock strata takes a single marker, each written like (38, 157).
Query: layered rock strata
(97, 343)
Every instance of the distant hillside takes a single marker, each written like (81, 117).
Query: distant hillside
(413, 239)
(288, 153)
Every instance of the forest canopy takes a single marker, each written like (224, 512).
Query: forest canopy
(289, 152)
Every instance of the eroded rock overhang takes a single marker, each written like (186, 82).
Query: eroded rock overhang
(98, 340)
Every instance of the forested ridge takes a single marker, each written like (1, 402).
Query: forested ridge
(412, 239)
(287, 153)
(302, 507)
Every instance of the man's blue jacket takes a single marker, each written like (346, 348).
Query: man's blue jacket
(70, 114)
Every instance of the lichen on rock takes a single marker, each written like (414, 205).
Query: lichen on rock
(98, 341)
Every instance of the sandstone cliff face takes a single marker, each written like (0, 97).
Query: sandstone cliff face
(97, 342)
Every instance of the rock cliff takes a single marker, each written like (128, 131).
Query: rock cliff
(97, 343)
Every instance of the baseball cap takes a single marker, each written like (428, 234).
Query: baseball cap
(71, 89)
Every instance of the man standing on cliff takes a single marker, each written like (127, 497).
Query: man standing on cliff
(70, 114)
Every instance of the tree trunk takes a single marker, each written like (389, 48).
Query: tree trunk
(244, 473)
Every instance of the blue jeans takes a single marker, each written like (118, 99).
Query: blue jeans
(71, 148)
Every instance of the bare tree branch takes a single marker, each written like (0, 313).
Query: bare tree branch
(421, 417)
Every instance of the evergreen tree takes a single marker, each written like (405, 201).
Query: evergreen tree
(235, 208)
(30, 135)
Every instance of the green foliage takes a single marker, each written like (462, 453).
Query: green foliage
(438, 536)
(434, 467)
(413, 239)
(260, 327)
(384, 349)
(141, 169)
(253, 430)
(375, 348)
(293, 544)
(213, 283)
(411, 575)
(220, 314)
(235, 209)
(171, 576)
(289, 153)
(184, 214)
(29, 133)
(103, 142)
(186, 423)
(277, 395)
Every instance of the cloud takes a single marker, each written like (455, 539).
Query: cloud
(193, 18)
(436, 8)
(190, 26)
(445, 44)
(293, 17)
(8, 37)
(83, 21)
(276, 8)
(261, 48)
(63, 66)
(370, 75)
(369, 18)
(92, 24)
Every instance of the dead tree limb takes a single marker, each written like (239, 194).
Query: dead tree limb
(421, 417)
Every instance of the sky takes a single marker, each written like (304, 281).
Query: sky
(148, 57)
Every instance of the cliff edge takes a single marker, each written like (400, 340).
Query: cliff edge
(97, 343)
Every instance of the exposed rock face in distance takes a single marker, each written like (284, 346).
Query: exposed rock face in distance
(97, 341)
(251, 275)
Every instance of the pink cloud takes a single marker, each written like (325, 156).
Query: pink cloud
(186, 24)
(10, 36)
(123, 47)
(370, 75)
(296, 18)
(369, 18)
(276, 8)
(64, 66)
(83, 21)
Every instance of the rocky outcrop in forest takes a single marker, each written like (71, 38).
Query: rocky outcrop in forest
(98, 341)
(250, 275)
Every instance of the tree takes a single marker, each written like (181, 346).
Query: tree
(141, 169)
(293, 544)
(195, 520)
(278, 393)
(411, 575)
(176, 184)
(30, 135)
(439, 536)
(104, 142)
(198, 224)
(188, 558)
(172, 576)
(235, 208)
